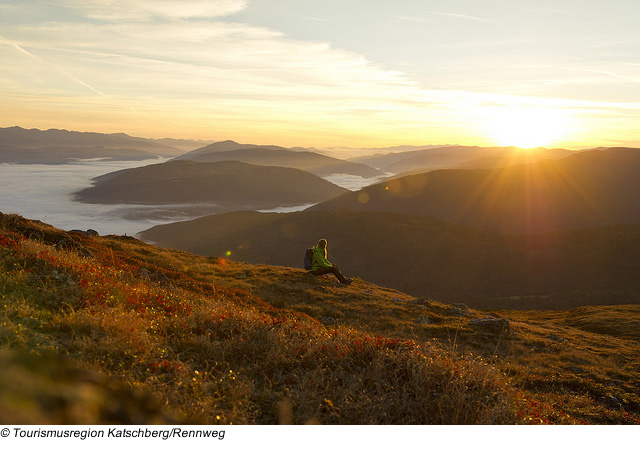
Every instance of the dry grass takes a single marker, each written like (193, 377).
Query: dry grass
(225, 342)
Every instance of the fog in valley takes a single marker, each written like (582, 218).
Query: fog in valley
(45, 192)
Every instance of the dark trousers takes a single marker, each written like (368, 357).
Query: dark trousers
(334, 270)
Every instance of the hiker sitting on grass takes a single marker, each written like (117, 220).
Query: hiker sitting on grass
(321, 265)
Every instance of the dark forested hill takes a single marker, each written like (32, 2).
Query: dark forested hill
(231, 183)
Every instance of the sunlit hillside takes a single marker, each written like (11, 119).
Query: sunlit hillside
(587, 189)
(113, 330)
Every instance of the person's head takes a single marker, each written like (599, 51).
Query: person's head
(322, 243)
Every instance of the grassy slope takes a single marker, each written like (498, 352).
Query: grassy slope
(92, 325)
(424, 256)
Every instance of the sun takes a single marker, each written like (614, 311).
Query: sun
(525, 126)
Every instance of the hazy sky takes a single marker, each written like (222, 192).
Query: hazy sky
(327, 73)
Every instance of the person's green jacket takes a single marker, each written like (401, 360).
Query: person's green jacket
(319, 261)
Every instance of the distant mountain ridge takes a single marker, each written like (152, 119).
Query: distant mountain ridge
(269, 155)
(441, 157)
(224, 146)
(53, 146)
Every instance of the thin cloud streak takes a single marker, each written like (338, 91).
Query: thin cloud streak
(146, 10)
(318, 19)
(413, 19)
(461, 16)
(4, 40)
(614, 75)
(551, 11)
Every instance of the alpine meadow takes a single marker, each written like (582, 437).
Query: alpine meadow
(235, 212)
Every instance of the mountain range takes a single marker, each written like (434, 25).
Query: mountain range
(312, 162)
(19, 145)
(53, 146)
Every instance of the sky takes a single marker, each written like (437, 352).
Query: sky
(331, 73)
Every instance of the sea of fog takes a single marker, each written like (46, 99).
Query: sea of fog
(45, 192)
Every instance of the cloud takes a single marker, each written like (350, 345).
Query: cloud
(461, 16)
(317, 19)
(551, 11)
(190, 65)
(615, 75)
(202, 74)
(135, 10)
(216, 57)
(413, 19)
(49, 65)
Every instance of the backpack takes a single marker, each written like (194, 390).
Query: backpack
(308, 259)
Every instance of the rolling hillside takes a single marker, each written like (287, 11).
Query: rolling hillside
(588, 189)
(315, 163)
(108, 330)
(230, 183)
(427, 257)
